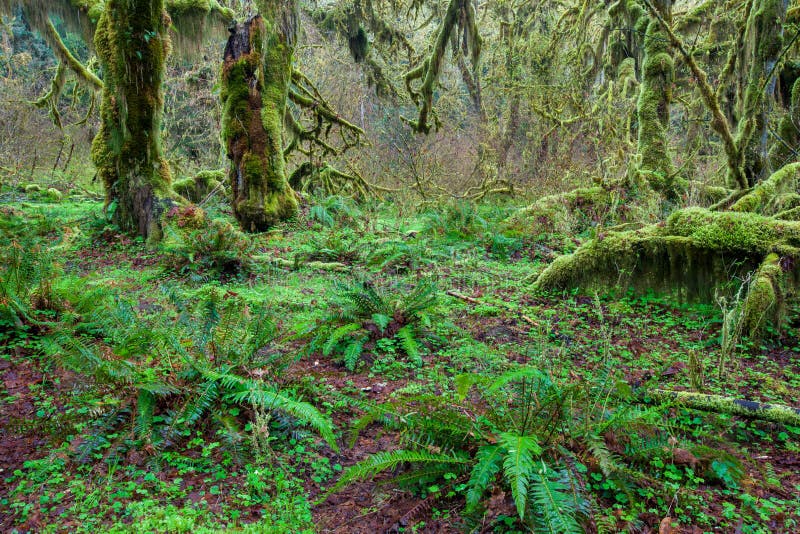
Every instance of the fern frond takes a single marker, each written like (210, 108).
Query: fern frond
(518, 465)
(408, 341)
(386, 460)
(488, 462)
(337, 335)
(352, 353)
(270, 399)
(556, 507)
(464, 383)
(145, 406)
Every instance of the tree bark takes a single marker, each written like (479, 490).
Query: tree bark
(256, 73)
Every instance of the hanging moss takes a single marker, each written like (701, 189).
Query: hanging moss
(653, 108)
(358, 43)
(255, 83)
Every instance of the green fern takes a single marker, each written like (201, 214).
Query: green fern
(408, 341)
(556, 506)
(488, 463)
(337, 335)
(388, 460)
(518, 466)
(353, 353)
(259, 395)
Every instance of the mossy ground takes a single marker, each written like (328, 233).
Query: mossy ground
(197, 485)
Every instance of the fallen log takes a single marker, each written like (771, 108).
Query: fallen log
(774, 413)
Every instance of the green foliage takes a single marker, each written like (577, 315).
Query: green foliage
(335, 208)
(206, 356)
(195, 243)
(26, 277)
(534, 436)
(362, 318)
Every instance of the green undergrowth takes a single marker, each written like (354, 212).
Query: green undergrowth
(207, 383)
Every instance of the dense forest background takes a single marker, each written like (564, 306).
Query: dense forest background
(400, 265)
(557, 99)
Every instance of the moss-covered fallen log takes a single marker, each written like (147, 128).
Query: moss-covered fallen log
(695, 251)
(774, 413)
(300, 263)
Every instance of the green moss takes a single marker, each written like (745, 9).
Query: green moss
(132, 44)
(254, 92)
(655, 96)
(762, 46)
(789, 215)
(694, 252)
(732, 232)
(769, 196)
(725, 405)
(54, 195)
(765, 301)
(197, 188)
(783, 149)
(570, 211)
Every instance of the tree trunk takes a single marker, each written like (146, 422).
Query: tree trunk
(132, 45)
(255, 81)
(763, 42)
(655, 96)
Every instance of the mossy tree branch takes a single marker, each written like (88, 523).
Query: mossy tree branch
(83, 74)
(428, 71)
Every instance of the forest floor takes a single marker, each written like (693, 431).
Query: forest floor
(485, 321)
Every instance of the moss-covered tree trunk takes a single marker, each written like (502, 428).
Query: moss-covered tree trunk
(132, 44)
(763, 42)
(655, 96)
(785, 149)
(256, 74)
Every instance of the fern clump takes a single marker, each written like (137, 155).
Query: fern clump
(541, 440)
(27, 271)
(171, 378)
(362, 316)
(335, 209)
(197, 244)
